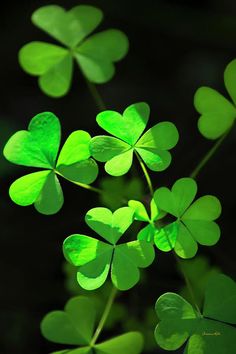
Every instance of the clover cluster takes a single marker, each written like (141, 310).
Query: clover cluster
(114, 251)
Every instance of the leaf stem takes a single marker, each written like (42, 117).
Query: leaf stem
(82, 185)
(146, 174)
(96, 95)
(104, 317)
(187, 282)
(208, 155)
(189, 286)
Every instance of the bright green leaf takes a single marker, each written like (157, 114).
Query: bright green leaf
(155, 159)
(94, 274)
(165, 238)
(37, 58)
(110, 226)
(83, 172)
(52, 63)
(120, 164)
(147, 233)
(92, 256)
(104, 148)
(163, 136)
(50, 199)
(140, 212)
(206, 233)
(206, 208)
(25, 190)
(127, 259)
(96, 55)
(68, 27)
(155, 213)
(56, 81)
(185, 246)
(37, 147)
(75, 149)
(81, 249)
(178, 199)
(127, 127)
(217, 113)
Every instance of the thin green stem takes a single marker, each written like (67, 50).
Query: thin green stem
(82, 185)
(146, 174)
(96, 96)
(208, 155)
(187, 282)
(105, 314)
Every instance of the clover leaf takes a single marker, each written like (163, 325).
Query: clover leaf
(95, 55)
(38, 147)
(194, 222)
(217, 112)
(127, 129)
(95, 258)
(75, 326)
(205, 333)
(140, 213)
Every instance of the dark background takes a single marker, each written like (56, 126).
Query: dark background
(175, 47)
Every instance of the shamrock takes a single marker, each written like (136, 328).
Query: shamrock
(95, 258)
(149, 232)
(75, 326)
(117, 191)
(118, 152)
(207, 333)
(217, 113)
(94, 55)
(194, 223)
(38, 147)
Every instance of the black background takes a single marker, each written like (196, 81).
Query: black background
(175, 47)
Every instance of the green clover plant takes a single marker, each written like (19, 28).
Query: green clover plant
(206, 333)
(217, 113)
(117, 151)
(194, 221)
(95, 258)
(150, 231)
(38, 147)
(76, 326)
(95, 55)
